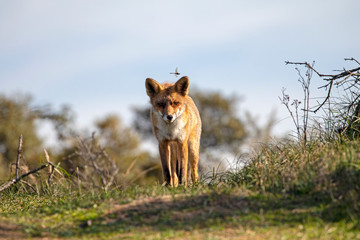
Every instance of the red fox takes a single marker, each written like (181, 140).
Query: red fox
(177, 127)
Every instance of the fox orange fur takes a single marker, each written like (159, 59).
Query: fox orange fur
(177, 127)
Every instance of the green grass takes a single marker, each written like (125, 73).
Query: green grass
(285, 192)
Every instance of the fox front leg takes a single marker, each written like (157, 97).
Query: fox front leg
(164, 150)
(174, 165)
(182, 151)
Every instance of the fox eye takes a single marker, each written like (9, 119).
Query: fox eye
(176, 103)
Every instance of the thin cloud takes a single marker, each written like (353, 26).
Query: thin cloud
(46, 45)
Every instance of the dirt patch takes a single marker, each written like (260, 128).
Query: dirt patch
(175, 211)
(153, 202)
(10, 231)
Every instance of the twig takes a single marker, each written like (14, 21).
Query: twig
(95, 161)
(15, 180)
(285, 100)
(18, 157)
(328, 77)
(130, 167)
(28, 184)
(332, 77)
(309, 66)
(51, 169)
(78, 179)
(326, 99)
(352, 59)
(111, 180)
(116, 170)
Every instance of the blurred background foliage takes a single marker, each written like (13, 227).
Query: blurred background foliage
(112, 141)
(18, 115)
(221, 126)
(16, 118)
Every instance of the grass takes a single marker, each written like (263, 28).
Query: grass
(285, 192)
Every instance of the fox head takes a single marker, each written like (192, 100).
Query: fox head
(168, 100)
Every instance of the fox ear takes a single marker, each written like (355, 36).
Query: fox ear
(182, 86)
(152, 87)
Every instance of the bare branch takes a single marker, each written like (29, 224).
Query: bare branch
(331, 77)
(15, 180)
(343, 112)
(51, 169)
(94, 166)
(308, 66)
(286, 100)
(28, 184)
(18, 157)
(352, 59)
(326, 99)
(328, 77)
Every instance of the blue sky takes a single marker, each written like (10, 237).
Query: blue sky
(95, 55)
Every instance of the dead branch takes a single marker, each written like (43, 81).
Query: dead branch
(20, 178)
(15, 180)
(51, 167)
(18, 157)
(286, 100)
(28, 184)
(352, 59)
(115, 172)
(308, 66)
(330, 78)
(93, 166)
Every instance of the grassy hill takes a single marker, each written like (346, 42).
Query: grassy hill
(286, 191)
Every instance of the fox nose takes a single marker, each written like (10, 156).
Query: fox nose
(169, 117)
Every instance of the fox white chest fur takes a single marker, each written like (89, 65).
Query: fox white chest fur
(169, 130)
